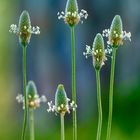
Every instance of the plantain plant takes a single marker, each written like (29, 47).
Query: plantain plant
(97, 51)
(24, 31)
(62, 106)
(72, 17)
(116, 37)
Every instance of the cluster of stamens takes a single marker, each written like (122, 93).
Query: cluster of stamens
(120, 37)
(62, 108)
(32, 30)
(32, 102)
(99, 57)
(73, 18)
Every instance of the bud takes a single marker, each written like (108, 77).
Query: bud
(61, 100)
(116, 32)
(98, 52)
(31, 90)
(24, 28)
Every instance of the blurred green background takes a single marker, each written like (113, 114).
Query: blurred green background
(49, 63)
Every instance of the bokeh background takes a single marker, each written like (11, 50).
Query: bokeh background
(49, 63)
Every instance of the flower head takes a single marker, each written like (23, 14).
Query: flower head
(24, 29)
(71, 15)
(61, 102)
(33, 98)
(115, 34)
(61, 99)
(97, 52)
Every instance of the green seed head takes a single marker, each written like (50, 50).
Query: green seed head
(24, 28)
(31, 90)
(116, 32)
(99, 52)
(61, 100)
(71, 6)
(72, 17)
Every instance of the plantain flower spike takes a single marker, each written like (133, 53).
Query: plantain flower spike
(24, 26)
(72, 7)
(97, 52)
(115, 34)
(24, 29)
(31, 90)
(34, 99)
(71, 15)
(116, 29)
(61, 100)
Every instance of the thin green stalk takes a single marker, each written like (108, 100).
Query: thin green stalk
(62, 127)
(25, 94)
(99, 105)
(31, 115)
(73, 82)
(111, 94)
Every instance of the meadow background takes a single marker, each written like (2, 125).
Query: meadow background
(49, 64)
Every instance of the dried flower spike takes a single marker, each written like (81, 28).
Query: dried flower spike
(33, 98)
(24, 29)
(115, 34)
(71, 15)
(97, 52)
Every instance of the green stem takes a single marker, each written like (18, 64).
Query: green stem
(25, 94)
(111, 94)
(62, 127)
(73, 82)
(31, 115)
(99, 105)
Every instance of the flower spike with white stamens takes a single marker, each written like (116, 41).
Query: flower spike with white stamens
(97, 52)
(62, 104)
(24, 29)
(33, 98)
(115, 34)
(71, 15)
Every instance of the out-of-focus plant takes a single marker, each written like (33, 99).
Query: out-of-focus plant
(24, 31)
(33, 103)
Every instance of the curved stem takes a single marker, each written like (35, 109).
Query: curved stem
(73, 82)
(111, 94)
(99, 105)
(62, 127)
(25, 94)
(31, 124)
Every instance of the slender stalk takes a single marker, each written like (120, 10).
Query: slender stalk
(73, 82)
(99, 105)
(25, 94)
(31, 115)
(111, 94)
(62, 127)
